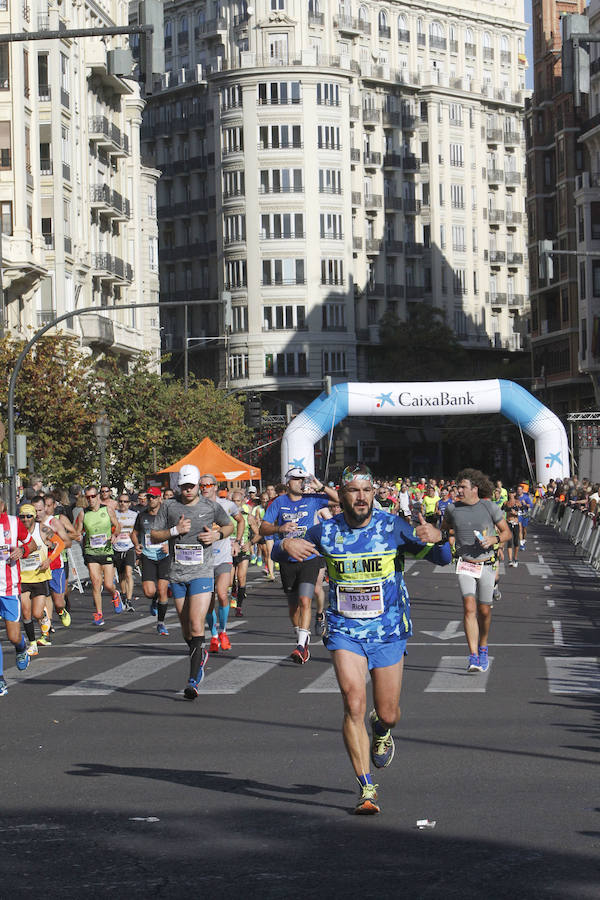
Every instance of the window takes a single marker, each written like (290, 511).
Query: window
(403, 32)
(285, 363)
(238, 366)
(239, 316)
(328, 94)
(235, 229)
(456, 155)
(231, 97)
(278, 92)
(281, 181)
(328, 137)
(457, 196)
(153, 254)
(596, 278)
(7, 217)
(278, 226)
(232, 140)
(235, 274)
(26, 73)
(5, 151)
(64, 73)
(460, 281)
(595, 220)
(330, 181)
(334, 362)
(332, 271)
(233, 183)
(458, 238)
(332, 226)
(282, 271)
(334, 317)
(287, 318)
(4, 67)
(456, 114)
(168, 33)
(272, 137)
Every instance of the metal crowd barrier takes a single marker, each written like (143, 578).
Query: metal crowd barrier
(575, 525)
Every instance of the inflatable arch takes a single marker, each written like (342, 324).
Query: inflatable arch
(426, 399)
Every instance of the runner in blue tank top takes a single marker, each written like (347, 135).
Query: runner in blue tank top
(368, 620)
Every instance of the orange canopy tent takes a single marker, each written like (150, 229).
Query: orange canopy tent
(209, 457)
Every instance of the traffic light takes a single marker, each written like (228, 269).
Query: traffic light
(253, 411)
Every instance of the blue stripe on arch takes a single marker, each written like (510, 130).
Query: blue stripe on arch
(519, 405)
(328, 409)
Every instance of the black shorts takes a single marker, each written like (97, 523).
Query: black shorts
(103, 559)
(155, 569)
(36, 588)
(295, 575)
(516, 533)
(240, 558)
(124, 558)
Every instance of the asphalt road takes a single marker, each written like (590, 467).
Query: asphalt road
(115, 786)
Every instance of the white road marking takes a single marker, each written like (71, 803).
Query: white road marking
(100, 636)
(537, 570)
(325, 683)
(550, 602)
(452, 630)
(540, 558)
(38, 668)
(414, 573)
(451, 677)
(573, 675)
(238, 674)
(558, 635)
(106, 682)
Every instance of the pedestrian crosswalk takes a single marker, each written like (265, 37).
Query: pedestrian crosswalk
(564, 675)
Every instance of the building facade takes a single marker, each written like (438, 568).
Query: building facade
(557, 174)
(324, 165)
(78, 206)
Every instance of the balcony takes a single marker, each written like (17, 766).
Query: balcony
(513, 218)
(495, 176)
(453, 46)
(371, 159)
(403, 36)
(48, 240)
(512, 178)
(393, 202)
(211, 29)
(373, 201)
(391, 117)
(421, 39)
(354, 113)
(496, 257)
(45, 166)
(187, 251)
(412, 248)
(516, 301)
(437, 43)
(45, 317)
(371, 115)
(495, 299)
(394, 290)
(385, 32)
(495, 216)
(505, 57)
(514, 259)
(68, 245)
(105, 134)
(180, 166)
(512, 138)
(393, 247)
(411, 206)
(411, 164)
(488, 53)
(347, 24)
(44, 93)
(414, 291)
(376, 289)
(409, 122)
(357, 243)
(97, 329)
(373, 245)
(493, 135)
(316, 19)
(470, 50)
(108, 202)
(354, 154)
(356, 198)
(392, 160)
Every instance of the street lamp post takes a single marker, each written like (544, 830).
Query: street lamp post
(101, 431)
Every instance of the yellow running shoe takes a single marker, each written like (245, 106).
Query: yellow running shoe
(43, 641)
(32, 649)
(367, 802)
(45, 625)
(65, 617)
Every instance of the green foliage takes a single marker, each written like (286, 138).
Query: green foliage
(61, 391)
(422, 349)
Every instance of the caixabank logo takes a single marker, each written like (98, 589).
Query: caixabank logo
(437, 399)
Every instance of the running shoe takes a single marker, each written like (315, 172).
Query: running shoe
(32, 649)
(259, 562)
(497, 595)
(320, 624)
(128, 606)
(300, 655)
(116, 602)
(224, 641)
(270, 578)
(484, 662)
(473, 665)
(214, 645)
(238, 612)
(382, 746)
(154, 607)
(98, 619)
(43, 641)
(367, 802)
(64, 617)
(515, 564)
(161, 628)
(22, 659)
(45, 625)
(233, 601)
(191, 690)
(3, 687)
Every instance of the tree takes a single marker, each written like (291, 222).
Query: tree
(423, 348)
(51, 404)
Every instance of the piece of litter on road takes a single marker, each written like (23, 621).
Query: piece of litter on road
(143, 819)
(425, 823)
(547, 587)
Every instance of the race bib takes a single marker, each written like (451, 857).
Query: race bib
(31, 563)
(4, 553)
(149, 545)
(360, 601)
(463, 567)
(98, 540)
(189, 554)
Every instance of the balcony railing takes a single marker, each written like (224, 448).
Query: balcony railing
(370, 114)
(437, 43)
(470, 49)
(346, 23)
(512, 178)
(44, 317)
(488, 53)
(512, 137)
(505, 57)
(410, 205)
(495, 216)
(44, 93)
(356, 198)
(373, 245)
(516, 300)
(403, 36)
(495, 299)
(497, 256)
(514, 218)
(394, 246)
(316, 18)
(354, 154)
(371, 158)
(493, 135)
(393, 202)
(45, 166)
(514, 259)
(48, 240)
(372, 201)
(414, 291)
(413, 248)
(495, 175)
(357, 243)
(385, 32)
(392, 160)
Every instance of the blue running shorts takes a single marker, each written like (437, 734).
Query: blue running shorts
(378, 655)
(181, 589)
(10, 608)
(58, 582)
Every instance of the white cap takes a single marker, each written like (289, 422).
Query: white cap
(295, 472)
(189, 475)
(252, 489)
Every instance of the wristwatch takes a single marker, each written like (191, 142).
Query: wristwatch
(444, 538)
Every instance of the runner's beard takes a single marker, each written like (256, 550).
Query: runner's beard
(353, 516)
